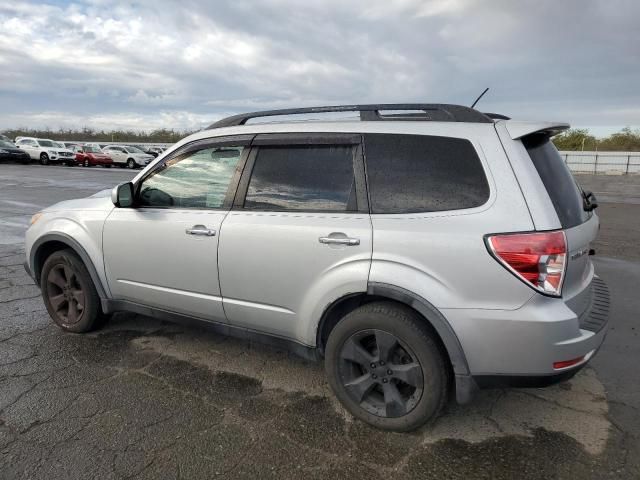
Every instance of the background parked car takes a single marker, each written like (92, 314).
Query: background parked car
(155, 151)
(5, 139)
(8, 151)
(124, 155)
(44, 150)
(91, 155)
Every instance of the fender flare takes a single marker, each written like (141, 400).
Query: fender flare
(465, 385)
(433, 315)
(73, 245)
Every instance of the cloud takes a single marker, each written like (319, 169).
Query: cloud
(144, 63)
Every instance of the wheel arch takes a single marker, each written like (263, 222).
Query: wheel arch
(465, 386)
(53, 242)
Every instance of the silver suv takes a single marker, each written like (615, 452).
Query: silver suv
(423, 251)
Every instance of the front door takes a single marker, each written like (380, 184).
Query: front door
(164, 252)
(299, 235)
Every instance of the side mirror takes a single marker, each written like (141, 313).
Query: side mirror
(122, 195)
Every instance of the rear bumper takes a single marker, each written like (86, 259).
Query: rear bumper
(520, 347)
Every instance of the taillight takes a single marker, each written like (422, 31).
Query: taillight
(539, 259)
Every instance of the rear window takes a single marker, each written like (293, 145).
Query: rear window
(562, 188)
(312, 178)
(420, 173)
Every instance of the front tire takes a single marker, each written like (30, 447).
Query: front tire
(386, 368)
(44, 159)
(69, 293)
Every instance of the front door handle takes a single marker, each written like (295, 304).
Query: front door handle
(339, 241)
(200, 230)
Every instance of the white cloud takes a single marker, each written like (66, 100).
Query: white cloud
(139, 64)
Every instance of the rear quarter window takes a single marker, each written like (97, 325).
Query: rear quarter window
(564, 192)
(421, 173)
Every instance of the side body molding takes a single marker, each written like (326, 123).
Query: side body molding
(465, 385)
(76, 247)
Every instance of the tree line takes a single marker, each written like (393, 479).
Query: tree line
(626, 140)
(162, 135)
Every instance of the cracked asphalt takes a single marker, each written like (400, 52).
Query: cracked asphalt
(146, 399)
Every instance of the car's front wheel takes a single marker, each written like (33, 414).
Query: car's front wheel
(44, 159)
(69, 293)
(386, 368)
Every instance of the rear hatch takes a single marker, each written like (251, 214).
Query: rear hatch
(576, 215)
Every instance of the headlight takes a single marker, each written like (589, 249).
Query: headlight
(35, 218)
(52, 152)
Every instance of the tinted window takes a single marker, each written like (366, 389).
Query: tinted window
(303, 178)
(198, 179)
(419, 173)
(560, 184)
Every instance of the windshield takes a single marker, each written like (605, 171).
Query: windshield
(91, 149)
(46, 143)
(6, 144)
(59, 145)
(133, 150)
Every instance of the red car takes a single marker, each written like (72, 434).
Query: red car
(90, 156)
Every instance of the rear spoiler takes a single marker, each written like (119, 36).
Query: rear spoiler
(521, 129)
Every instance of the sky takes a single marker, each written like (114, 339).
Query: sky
(153, 64)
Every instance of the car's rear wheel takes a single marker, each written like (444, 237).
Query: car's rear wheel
(69, 293)
(86, 163)
(107, 166)
(44, 159)
(386, 368)
(131, 163)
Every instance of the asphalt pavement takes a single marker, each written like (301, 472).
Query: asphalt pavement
(147, 399)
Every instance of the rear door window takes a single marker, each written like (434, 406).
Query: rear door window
(562, 188)
(421, 173)
(303, 177)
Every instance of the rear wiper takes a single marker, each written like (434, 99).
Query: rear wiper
(589, 201)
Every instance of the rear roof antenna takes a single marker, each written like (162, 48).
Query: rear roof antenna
(481, 95)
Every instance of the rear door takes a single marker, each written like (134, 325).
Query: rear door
(580, 225)
(299, 235)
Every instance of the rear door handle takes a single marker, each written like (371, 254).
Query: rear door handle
(339, 241)
(200, 230)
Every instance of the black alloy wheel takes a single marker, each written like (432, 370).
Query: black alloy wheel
(66, 294)
(69, 293)
(381, 373)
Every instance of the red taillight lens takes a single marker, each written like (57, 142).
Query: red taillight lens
(539, 259)
(567, 363)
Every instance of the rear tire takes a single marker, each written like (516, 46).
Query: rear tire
(44, 159)
(131, 163)
(386, 368)
(69, 293)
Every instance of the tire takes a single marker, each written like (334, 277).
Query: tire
(131, 163)
(44, 159)
(86, 163)
(373, 389)
(107, 166)
(69, 293)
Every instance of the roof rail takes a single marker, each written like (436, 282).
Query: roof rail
(436, 112)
